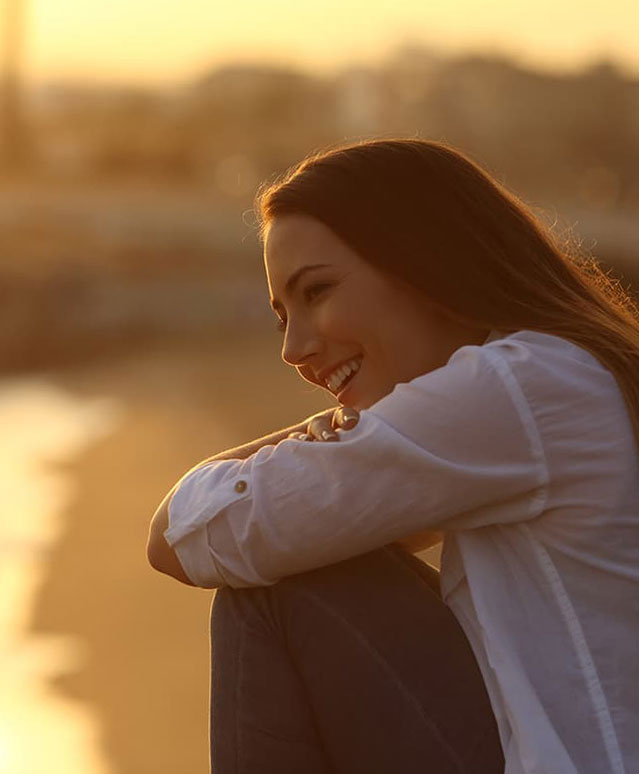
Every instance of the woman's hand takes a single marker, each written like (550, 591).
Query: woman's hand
(322, 426)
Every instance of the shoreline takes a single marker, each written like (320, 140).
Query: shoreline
(43, 428)
(145, 636)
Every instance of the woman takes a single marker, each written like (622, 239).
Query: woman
(490, 396)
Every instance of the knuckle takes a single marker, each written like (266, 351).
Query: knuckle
(347, 416)
(298, 436)
(321, 427)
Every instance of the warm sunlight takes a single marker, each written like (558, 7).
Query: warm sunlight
(137, 141)
(155, 42)
(40, 424)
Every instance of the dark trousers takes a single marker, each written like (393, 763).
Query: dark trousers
(354, 667)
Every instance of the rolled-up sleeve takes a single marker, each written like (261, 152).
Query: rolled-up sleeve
(456, 448)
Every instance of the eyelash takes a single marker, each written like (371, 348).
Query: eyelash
(281, 324)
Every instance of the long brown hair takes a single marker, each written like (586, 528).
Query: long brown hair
(426, 212)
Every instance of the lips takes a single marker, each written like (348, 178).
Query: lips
(342, 374)
(325, 376)
(347, 382)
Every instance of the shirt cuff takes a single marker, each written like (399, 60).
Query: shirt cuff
(198, 497)
(202, 493)
(197, 561)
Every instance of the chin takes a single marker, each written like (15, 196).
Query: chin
(360, 403)
(356, 404)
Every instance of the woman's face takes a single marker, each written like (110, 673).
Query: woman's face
(349, 310)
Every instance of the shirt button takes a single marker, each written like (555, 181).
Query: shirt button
(240, 486)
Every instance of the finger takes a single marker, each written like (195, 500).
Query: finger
(346, 417)
(320, 428)
(299, 436)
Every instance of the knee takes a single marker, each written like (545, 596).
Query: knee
(373, 575)
(232, 606)
(368, 571)
(226, 610)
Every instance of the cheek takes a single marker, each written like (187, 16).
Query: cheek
(400, 339)
(342, 321)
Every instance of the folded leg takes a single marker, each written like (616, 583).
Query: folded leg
(354, 667)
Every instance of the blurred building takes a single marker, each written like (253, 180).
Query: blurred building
(136, 214)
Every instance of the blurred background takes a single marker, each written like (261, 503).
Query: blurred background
(135, 332)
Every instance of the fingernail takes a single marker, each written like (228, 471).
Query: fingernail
(326, 434)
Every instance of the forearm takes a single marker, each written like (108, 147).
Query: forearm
(162, 557)
(158, 551)
(245, 451)
(420, 541)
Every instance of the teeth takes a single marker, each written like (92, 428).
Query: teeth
(339, 375)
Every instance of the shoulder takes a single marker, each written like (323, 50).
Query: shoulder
(548, 366)
(506, 387)
(528, 345)
(474, 396)
(573, 400)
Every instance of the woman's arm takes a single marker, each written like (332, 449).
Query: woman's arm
(162, 557)
(159, 553)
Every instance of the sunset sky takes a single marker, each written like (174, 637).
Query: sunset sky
(164, 41)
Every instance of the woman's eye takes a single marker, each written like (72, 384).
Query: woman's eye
(310, 293)
(312, 290)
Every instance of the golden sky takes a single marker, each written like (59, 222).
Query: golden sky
(163, 41)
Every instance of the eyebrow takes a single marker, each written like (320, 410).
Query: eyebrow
(292, 281)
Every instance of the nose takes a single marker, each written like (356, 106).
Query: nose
(301, 342)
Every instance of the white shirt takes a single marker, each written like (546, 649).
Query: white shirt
(521, 450)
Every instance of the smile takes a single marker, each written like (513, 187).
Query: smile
(343, 374)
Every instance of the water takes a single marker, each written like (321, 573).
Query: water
(40, 731)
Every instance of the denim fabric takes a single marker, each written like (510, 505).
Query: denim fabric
(354, 667)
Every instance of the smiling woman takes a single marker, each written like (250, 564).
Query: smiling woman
(349, 310)
(494, 377)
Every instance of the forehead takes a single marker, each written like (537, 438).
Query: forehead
(294, 240)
